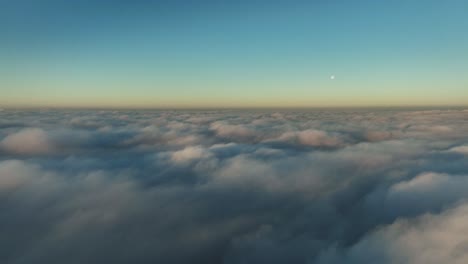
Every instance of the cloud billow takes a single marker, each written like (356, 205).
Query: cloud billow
(318, 186)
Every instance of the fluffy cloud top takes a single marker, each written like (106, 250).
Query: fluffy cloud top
(311, 137)
(27, 141)
(428, 239)
(460, 149)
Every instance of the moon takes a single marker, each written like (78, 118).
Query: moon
(332, 77)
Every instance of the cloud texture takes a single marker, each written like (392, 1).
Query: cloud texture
(331, 186)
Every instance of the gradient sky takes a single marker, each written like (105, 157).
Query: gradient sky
(207, 53)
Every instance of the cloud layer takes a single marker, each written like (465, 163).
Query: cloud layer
(334, 186)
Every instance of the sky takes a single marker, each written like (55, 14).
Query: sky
(208, 53)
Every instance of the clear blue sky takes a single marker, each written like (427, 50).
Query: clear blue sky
(207, 53)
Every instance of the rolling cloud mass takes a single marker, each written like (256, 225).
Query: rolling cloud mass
(234, 186)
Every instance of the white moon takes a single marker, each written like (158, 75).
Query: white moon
(332, 77)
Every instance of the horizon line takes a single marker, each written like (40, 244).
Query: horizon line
(10, 107)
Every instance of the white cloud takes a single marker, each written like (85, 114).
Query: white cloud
(27, 141)
(15, 173)
(460, 149)
(429, 239)
(311, 137)
(189, 154)
(232, 131)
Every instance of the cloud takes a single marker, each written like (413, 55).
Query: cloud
(315, 186)
(427, 239)
(27, 141)
(240, 132)
(460, 149)
(190, 154)
(375, 136)
(311, 137)
(14, 174)
(426, 192)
